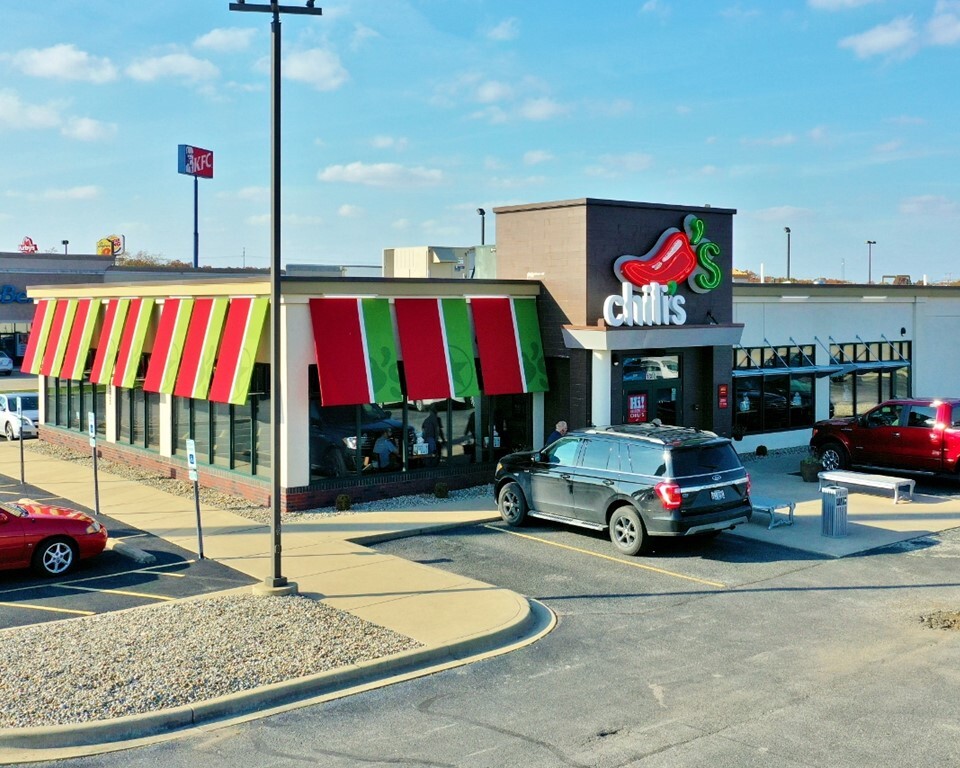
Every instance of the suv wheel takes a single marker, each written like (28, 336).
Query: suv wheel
(833, 456)
(512, 504)
(333, 464)
(627, 532)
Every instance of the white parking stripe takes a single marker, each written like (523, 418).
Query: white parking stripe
(119, 592)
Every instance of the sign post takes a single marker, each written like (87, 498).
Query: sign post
(195, 477)
(92, 431)
(20, 422)
(196, 162)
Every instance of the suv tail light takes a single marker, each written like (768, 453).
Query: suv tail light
(748, 484)
(670, 495)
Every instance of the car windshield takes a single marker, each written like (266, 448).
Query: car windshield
(27, 402)
(15, 510)
(704, 459)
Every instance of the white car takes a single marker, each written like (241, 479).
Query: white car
(11, 427)
(6, 364)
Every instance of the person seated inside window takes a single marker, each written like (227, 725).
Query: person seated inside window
(386, 452)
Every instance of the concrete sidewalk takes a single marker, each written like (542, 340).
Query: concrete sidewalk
(873, 519)
(457, 619)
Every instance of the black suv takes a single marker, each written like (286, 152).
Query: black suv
(637, 480)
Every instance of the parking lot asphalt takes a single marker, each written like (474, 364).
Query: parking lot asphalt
(113, 581)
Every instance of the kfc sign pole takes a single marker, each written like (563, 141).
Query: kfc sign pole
(198, 163)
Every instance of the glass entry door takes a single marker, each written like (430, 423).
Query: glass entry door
(651, 388)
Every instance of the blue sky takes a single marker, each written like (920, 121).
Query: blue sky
(837, 118)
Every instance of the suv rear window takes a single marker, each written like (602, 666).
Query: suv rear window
(703, 460)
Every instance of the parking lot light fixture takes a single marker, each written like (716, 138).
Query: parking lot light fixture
(276, 583)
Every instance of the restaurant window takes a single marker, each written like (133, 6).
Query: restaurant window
(235, 437)
(138, 417)
(773, 388)
(872, 373)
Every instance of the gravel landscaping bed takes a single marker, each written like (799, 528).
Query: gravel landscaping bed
(157, 657)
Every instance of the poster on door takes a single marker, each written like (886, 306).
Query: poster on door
(636, 409)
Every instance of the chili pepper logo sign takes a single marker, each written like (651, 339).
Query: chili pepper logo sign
(677, 256)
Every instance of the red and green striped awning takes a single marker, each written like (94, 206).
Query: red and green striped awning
(109, 341)
(200, 348)
(81, 335)
(238, 350)
(437, 345)
(508, 340)
(168, 346)
(131, 342)
(356, 351)
(57, 340)
(39, 333)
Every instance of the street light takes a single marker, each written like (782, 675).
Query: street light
(787, 230)
(870, 244)
(65, 243)
(275, 583)
(483, 222)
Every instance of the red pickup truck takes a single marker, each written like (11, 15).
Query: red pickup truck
(920, 434)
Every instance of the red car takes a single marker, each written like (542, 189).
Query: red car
(918, 434)
(50, 539)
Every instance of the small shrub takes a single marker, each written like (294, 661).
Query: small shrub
(441, 491)
(342, 503)
(762, 450)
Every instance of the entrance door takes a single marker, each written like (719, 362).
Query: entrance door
(651, 389)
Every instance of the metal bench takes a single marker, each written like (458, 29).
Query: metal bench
(770, 507)
(845, 477)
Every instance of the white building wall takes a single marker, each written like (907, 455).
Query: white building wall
(298, 352)
(930, 323)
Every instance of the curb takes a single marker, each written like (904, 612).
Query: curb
(531, 622)
(128, 550)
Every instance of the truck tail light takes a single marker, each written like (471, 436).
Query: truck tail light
(670, 495)
(748, 484)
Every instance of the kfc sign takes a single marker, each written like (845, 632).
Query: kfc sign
(194, 161)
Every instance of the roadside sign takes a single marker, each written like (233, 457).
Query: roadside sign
(92, 428)
(192, 459)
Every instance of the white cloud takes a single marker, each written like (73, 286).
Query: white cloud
(929, 205)
(774, 141)
(389, 142)
(88, 192)
(615, 165)
(906, 120)
(255, 194)
(897, 35)
(64, 62)
(508, 29)
(837, 5)
(15, 114)
(656, 8)
(492, 91)
(381, 175)
(317, 67)
(361, 34)
(225, 39)
(88, 129)
(542, 109)
(780, 213)
(348, 211)
(944, 27)
(888, 146)
(176, 65)
(536, 156)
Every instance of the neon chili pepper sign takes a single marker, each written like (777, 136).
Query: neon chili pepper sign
(676, 257)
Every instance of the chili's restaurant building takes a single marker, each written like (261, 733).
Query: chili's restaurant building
(603, 312)
(451, 380)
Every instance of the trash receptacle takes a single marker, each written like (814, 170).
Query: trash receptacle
(833, 511)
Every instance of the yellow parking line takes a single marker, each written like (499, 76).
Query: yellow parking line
(607, 557)
(45, 608)
(117, 592)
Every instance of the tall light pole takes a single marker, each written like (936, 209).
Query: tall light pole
(787, 230)
(276, 582)
(870, 244)
(483, 222)
(65, 243)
